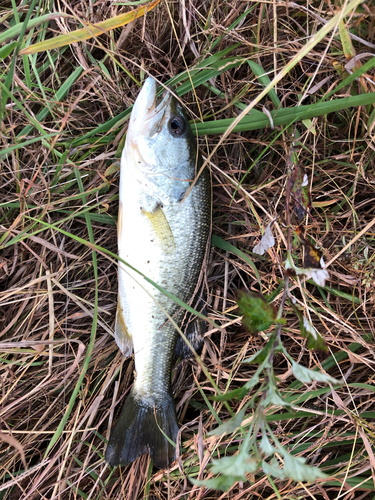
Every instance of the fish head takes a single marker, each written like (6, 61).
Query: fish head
(160, 147)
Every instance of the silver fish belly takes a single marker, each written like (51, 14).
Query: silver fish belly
(162, 233)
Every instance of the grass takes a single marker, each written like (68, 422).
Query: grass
(301, 78)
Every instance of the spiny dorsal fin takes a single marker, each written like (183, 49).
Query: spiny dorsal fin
(162, 230)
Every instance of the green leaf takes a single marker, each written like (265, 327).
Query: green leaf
(10, 71)
(314, 339)
(273, 396)
(94, 325)
(119, 120)
(236, 393)
(255, 379)
(92, 30)
(265, 446)
(356, 74)
(258, 315)
(260, 356)
(272, 468)
(371, 122)
(199, 76)
(6, 151)
(236, 466)
(307, 376)
(295, 468)
(346, 41)
(230, 425)
(221, 483)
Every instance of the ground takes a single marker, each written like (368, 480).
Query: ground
(301, 159)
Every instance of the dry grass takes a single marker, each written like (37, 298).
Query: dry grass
(61, 372)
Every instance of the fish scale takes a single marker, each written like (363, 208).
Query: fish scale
(163, 232)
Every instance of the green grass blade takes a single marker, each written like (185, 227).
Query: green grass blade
(285, 116)
(60, 94)
(9, 77)
(90, 347)
(224, 245)
(264, 80)
(17, 29)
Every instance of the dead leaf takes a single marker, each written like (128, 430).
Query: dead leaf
(7, 438)
(90, 31)
(266, 242)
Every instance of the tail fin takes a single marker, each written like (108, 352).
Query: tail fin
(136, 432)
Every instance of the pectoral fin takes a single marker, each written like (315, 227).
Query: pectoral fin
(122, 335)
(162, 230)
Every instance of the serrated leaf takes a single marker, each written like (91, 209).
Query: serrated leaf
(265, 446)
(314, 339)
(236, 466)
(231, 425)
(296, 469)
(307, 376)
(273, 397)
(231, 469)
(272, 468)
(221, 483)
(236, 393)
(261, 355)
(258, 315)
(242, 391)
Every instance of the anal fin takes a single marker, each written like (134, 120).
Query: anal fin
(122, 335)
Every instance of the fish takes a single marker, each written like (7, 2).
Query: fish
(164, 226)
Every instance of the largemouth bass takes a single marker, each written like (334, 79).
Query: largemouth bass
(163, 233)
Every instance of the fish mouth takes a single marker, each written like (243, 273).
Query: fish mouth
(149, 112)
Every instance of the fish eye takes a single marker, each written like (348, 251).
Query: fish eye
(177, 125)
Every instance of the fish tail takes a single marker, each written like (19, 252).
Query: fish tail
(137, 431)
